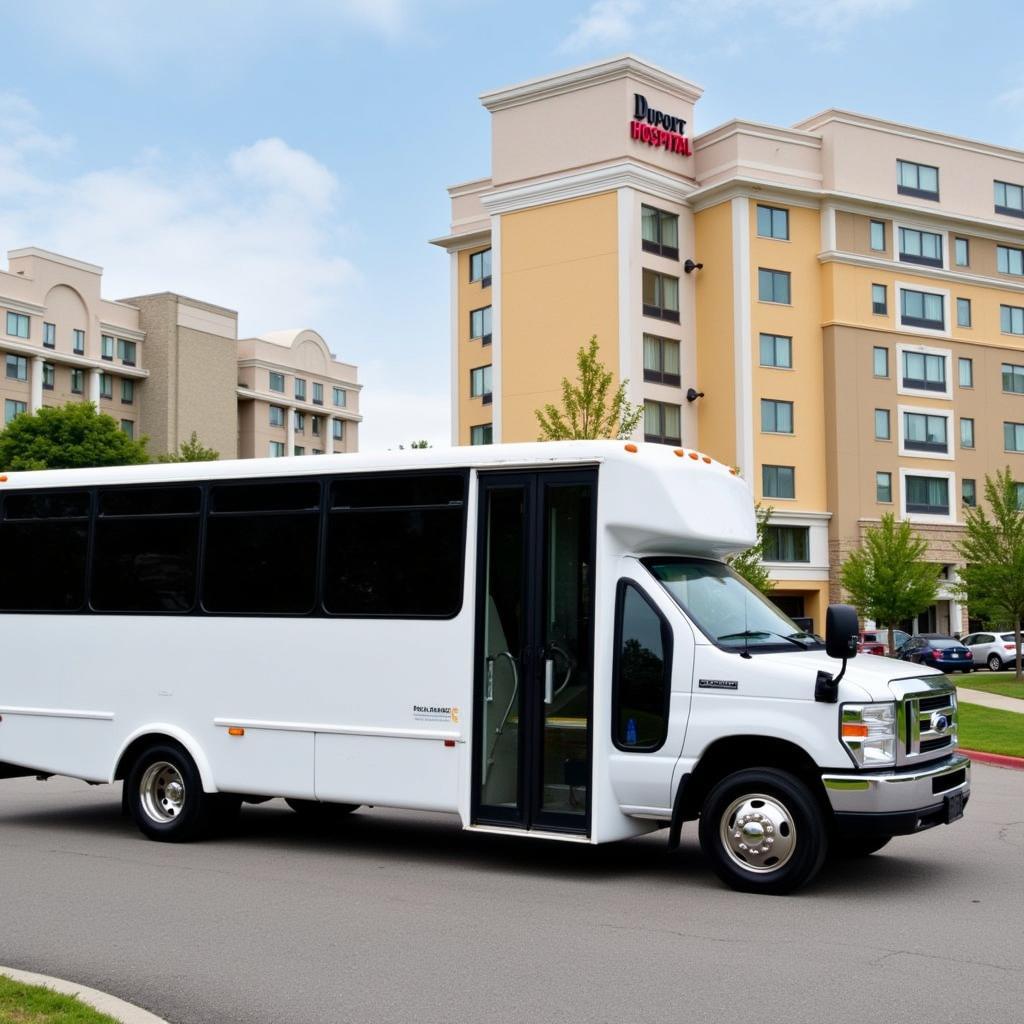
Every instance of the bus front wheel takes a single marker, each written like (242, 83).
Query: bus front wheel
(166, 798)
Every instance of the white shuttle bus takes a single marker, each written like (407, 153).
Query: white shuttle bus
(540, 638)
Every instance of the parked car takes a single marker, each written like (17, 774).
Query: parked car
(944, 652)
(876, 641)
(997, 650)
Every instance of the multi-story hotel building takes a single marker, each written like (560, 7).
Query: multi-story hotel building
(837, 307)
(165, 365)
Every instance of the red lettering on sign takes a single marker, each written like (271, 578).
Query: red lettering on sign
(673, 142)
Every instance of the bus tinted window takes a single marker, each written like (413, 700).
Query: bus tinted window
(47, 505)
(398, 491)
(149, 501)
(268, 497)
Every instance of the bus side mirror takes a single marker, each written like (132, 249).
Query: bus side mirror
(842, 631)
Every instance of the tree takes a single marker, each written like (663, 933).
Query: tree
(415, 445)
(587, 410)
(68, 437)
(992, 581)
(888, 578)
(749, 564)
(191, 450)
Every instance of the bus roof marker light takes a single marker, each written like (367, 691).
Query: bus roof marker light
(631, 448)
(678, 451)
(3, 478)
(707, 459)
(694, 455)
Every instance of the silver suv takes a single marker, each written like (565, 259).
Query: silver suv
(997, 650)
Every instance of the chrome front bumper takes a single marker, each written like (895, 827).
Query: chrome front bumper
(899, 791)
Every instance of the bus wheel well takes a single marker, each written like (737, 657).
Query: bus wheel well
(138, 745)
(735, 753)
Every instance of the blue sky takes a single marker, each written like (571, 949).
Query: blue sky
(289, 160)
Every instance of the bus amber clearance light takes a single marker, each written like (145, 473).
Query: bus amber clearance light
(236, 730)
(631, 448)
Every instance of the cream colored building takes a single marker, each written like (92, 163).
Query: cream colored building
(835, 307)
(165, 365)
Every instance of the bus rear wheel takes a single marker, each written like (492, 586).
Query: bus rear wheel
(318, 810)
(166, 798)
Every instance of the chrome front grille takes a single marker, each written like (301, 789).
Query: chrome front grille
(929, 724)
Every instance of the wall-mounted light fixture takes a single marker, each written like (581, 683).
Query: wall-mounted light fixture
(692, 394)
(689, 266)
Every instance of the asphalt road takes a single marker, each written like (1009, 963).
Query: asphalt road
(402, 917)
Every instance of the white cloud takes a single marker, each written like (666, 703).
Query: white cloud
(1012, 98)
(606, 23)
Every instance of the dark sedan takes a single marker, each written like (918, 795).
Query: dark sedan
(943, 652)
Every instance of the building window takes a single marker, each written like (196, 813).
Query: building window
(880, 300)
(49, 335)
(300, 389)
(340, 398)
(920, 180)
(338, 430)
(1013, 379)
(1013, 437)
(924, 371)
(480, 325)
(276, 416)
(106, 386)
(1011, 319)
(661, 296)
(1019, 488)
(969, 493)
(127, 391)
(963, 312)
(77, 381)
(13, 408)
(300, 421)
(298, 450)
(966, 432)
(78, 342)
(659, 232)
(787, 544)
(482, 434)
(927, 495)
(772, 222)
(777, 351)
(17, 368)
(480, 383)
(773, 286)
(18, 325)
(106, 347)
(878, 235)
(318, 393)
(315, 425)
(275, 450)
(661, 360)
(883, 429)
(277, 382)
(49, 376)
(923, 247)
(961, 252)
(662, 423)
(128, 428)
(1010, 260)
(480, 267)
(778, 481)
(1009, 199)
(966, 369)
(776, 417)
(126, 351)
(883, 488)
(880, 359)
(922, 309)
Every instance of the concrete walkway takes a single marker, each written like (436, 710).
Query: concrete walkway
(990, 700)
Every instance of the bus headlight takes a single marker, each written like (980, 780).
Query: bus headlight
(868, 731)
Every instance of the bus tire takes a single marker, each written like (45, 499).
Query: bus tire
(166, 798)
(763, 831)
(318, 810)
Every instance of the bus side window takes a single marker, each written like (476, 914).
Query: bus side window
(642, 672)
(43, 541)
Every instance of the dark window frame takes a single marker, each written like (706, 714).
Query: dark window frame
(922, 321)
(1009, 211)
(916, 508)
(926, 446)
(484, 279)
(485, 337)
(660, 376)
(880, 308)
(923, 261)
(765, 466)
(918, 193)
(772, 211)
(660, 311)
(776, 276)
(659, 248)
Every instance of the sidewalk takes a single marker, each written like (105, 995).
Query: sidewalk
(990, 700)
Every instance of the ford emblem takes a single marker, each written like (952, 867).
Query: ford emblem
(939, 723)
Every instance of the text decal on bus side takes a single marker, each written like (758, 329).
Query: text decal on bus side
(430, 713)
(718, 684)
(658, 129)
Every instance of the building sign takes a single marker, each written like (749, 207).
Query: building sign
(658, 129)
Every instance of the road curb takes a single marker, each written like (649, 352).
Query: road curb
(1000, 760)
(127, 1013)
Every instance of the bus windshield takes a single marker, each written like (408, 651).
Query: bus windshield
(725, 607)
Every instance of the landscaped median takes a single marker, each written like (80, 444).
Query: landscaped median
(992, 719)
(32, 1004)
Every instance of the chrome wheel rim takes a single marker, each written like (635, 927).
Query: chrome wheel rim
(758, 833)
(163, 793)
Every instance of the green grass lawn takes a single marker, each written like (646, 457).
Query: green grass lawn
(1003, 683)
(27, 1004)
(996, 732)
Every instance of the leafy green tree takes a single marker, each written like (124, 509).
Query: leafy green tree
(589, 407)
(749, 564)
(888, 578)
(68, 437)
(192, 450)
(993, 548)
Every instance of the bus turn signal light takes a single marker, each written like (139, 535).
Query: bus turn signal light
(236, 730)
(855, 730)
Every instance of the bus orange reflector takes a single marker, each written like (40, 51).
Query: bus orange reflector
(706, 458)
(3, 478)
(236, 730)
(678, 451)
(854, 729)
(449, 743)
(631, 448)
(694, 455)
(733, 471)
